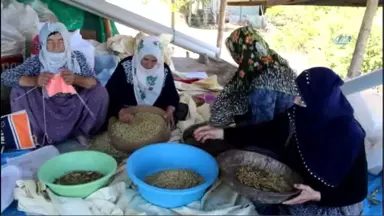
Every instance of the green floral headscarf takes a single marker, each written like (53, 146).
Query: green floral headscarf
(259, 68)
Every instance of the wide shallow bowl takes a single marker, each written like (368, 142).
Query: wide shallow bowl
(165, 156)
(213, 147)
(129, 146)
(231, 160)
(77, 161)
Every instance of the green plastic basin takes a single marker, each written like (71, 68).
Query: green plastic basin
(77, 161)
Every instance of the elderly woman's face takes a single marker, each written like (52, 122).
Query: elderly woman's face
(149, 61)
(55, 43)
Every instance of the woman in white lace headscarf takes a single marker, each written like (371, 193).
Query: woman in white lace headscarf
(143, 79)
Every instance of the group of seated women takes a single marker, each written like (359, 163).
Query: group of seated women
(306, 120)
(143, 79)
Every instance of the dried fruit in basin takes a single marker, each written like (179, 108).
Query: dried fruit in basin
(78, 177)
(262, 179)
(175, 179)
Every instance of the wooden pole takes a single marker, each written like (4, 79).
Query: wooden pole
(220, 30)
(365, 30)
(173, 16)
(108, 28)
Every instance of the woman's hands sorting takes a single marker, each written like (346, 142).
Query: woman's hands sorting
(169, 116)
(208, 132)
(307, 194)
(125, 115)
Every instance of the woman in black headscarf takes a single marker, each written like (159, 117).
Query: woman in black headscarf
(320, 139)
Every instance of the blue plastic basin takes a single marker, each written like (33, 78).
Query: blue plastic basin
(164, 156)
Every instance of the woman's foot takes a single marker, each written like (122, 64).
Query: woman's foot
(82, 140)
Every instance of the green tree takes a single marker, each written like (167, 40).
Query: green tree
(311, 31)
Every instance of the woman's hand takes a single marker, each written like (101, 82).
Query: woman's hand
(307, 194)
(208, 132)
(44, 78)
(125, 116)
(68, 76)
(169, 116)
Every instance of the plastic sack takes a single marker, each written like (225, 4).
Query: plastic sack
(12, 41)
(85, 47)
(368, 106)
(31, 162)
(105, 65)
(9, 176)
(24, 19)
(44, 14)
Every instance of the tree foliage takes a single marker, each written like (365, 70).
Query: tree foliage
(311, 30)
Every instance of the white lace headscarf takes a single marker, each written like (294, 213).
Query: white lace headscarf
(55, 62)
(148, 83)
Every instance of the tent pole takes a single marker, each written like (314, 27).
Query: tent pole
(365, 30)
(220, 30)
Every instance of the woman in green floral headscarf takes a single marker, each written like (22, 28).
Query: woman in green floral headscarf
(263, 86)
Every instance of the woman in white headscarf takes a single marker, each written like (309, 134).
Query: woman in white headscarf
(143, 79)
(60, 116)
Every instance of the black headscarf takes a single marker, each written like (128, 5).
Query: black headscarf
(328, 136)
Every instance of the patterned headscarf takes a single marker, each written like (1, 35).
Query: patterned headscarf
(54, 62)
(259, 68)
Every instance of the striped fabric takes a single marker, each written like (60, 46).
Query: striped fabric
(16, 132)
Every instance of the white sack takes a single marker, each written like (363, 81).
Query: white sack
(368, 106)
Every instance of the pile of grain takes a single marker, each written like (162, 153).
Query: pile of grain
(78, 177)
(102, 143)
(175, 179)
(144, 126)
(262, 179)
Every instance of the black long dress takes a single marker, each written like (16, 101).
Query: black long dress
(122, 95)
(273, 135)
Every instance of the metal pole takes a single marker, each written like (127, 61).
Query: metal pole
(363, 82)
(130, 19)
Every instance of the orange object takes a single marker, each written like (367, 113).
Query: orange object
(23, 130)
(58, 85)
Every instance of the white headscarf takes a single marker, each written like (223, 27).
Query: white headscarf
(148, 83)
(54, 62)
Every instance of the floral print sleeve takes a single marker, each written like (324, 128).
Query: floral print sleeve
(85, 68)
(31, 67)
(259, 68)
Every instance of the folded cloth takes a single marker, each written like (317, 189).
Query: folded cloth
(195, 115)
(122, 198)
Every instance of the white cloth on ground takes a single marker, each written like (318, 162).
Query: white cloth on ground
(195, 115)
(121, 198)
